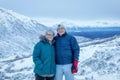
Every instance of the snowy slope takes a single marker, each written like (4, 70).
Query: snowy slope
(18, 33)
(99, 61)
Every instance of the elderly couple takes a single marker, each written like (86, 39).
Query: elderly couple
(56, 56)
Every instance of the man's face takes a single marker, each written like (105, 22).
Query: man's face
(61, 31)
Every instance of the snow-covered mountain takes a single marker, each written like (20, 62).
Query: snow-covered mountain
(88, 26)
(95, 23)
(99, 59)
(18, 33)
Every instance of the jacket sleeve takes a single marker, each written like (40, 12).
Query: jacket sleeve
(75, 49)
(36, 56)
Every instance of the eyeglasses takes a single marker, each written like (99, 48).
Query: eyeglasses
(49, 34)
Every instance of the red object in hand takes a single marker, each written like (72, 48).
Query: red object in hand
(75, 67)
(75, 63)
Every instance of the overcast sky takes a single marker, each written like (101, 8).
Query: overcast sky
(69, 9)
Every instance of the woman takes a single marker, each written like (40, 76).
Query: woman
(44, 57)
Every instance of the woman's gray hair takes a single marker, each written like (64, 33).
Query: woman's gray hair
(42, 37)
(50, 32)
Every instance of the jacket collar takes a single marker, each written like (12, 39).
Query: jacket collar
(62, 35)
(46, 41)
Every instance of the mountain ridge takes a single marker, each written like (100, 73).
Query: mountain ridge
(17, 30)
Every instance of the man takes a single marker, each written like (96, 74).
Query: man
(67, 54)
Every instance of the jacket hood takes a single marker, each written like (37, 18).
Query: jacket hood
(42, 38)
(45, 40)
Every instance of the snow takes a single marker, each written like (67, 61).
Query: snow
(86, 51)
(108, 77)
(52, 22)
(21, 63)
(97, 62)
(101, 63)
(18, 34)
(17, 30)
(99, 59)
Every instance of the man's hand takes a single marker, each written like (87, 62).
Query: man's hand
(75, 67)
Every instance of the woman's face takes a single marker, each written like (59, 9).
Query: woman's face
(49, 36)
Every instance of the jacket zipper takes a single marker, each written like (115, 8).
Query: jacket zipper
(51, 58)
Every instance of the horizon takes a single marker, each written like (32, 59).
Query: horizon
(53, 21)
